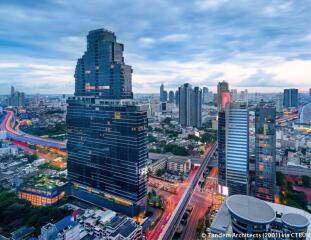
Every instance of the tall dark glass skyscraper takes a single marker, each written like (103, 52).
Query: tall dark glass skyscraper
(265, 145)
(101, 71)
(107, 151)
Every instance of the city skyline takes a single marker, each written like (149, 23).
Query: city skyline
(260, 46)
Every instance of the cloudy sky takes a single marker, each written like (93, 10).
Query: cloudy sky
(262, 45)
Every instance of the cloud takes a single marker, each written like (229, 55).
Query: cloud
(209, 4)
(175, 38)
(164, 41)
(262, 79)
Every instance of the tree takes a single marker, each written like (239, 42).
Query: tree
(280, 179)
(176, 150)
(160, 172)
(32, 157)
(167, 120)
(306, 181)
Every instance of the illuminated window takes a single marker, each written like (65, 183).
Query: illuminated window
(117, 115)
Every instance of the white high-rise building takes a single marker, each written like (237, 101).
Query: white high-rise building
(237, 147)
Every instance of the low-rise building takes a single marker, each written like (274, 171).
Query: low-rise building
(65, 229)
(179, 164)
(43, 190)
(241, 214)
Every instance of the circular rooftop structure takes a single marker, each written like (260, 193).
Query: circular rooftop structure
(295, 220)
(250, 209)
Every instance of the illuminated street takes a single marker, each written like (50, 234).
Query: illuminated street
(171, 201)
(201, 200)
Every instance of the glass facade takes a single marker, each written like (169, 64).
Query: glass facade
(107, 139)
(101, 71)
(237, 150)
(265, 144)
(221, 138)
(190, 106)
(107, 146)
(290, 98)
(233, 149)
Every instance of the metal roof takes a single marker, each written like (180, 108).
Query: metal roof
(250, 209)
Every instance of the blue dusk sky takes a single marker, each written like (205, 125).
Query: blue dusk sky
(262, 45)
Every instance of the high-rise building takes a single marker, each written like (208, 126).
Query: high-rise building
(16, 99)
(107, 151)
(196, 107)
(237, 148)
(205, 95)
(265, 149)
(190, 106)
(210, 97)
(234, 95)
(171, 96)
(101, 71)
(279, 102)
(233, 148)
(244, 96)
(221, 139)
(290, 98)
(177, 97)
(222, 87)
(163, 94)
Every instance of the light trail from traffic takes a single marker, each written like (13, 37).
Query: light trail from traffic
(23, 137)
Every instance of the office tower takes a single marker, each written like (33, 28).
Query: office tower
(279, 102)
(210, 97)
(163, 94)
(244, 96)
(107, 151)
(177, 97)
(184, 104)
(12, 90)
(290, 98)
(190, 106)
(234, 95)
(196, 108)
(237, 148)
(205, 95)
(221, 140)
(171, 96)
(265, 145)
(101, 71)
(233, 148)
(221, 88)
(16, 98)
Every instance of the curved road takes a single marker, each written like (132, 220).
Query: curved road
(23, 137)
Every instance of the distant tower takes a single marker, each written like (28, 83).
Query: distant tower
(290, 98)
(205, 95)
(163, 94)
(12, 91)
(171, 96)
(265, 148)
(190, 106)
(222, 87)
(177, 97)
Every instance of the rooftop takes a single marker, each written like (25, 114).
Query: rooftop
(250, 209)
(295, 220)
(45, 182)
